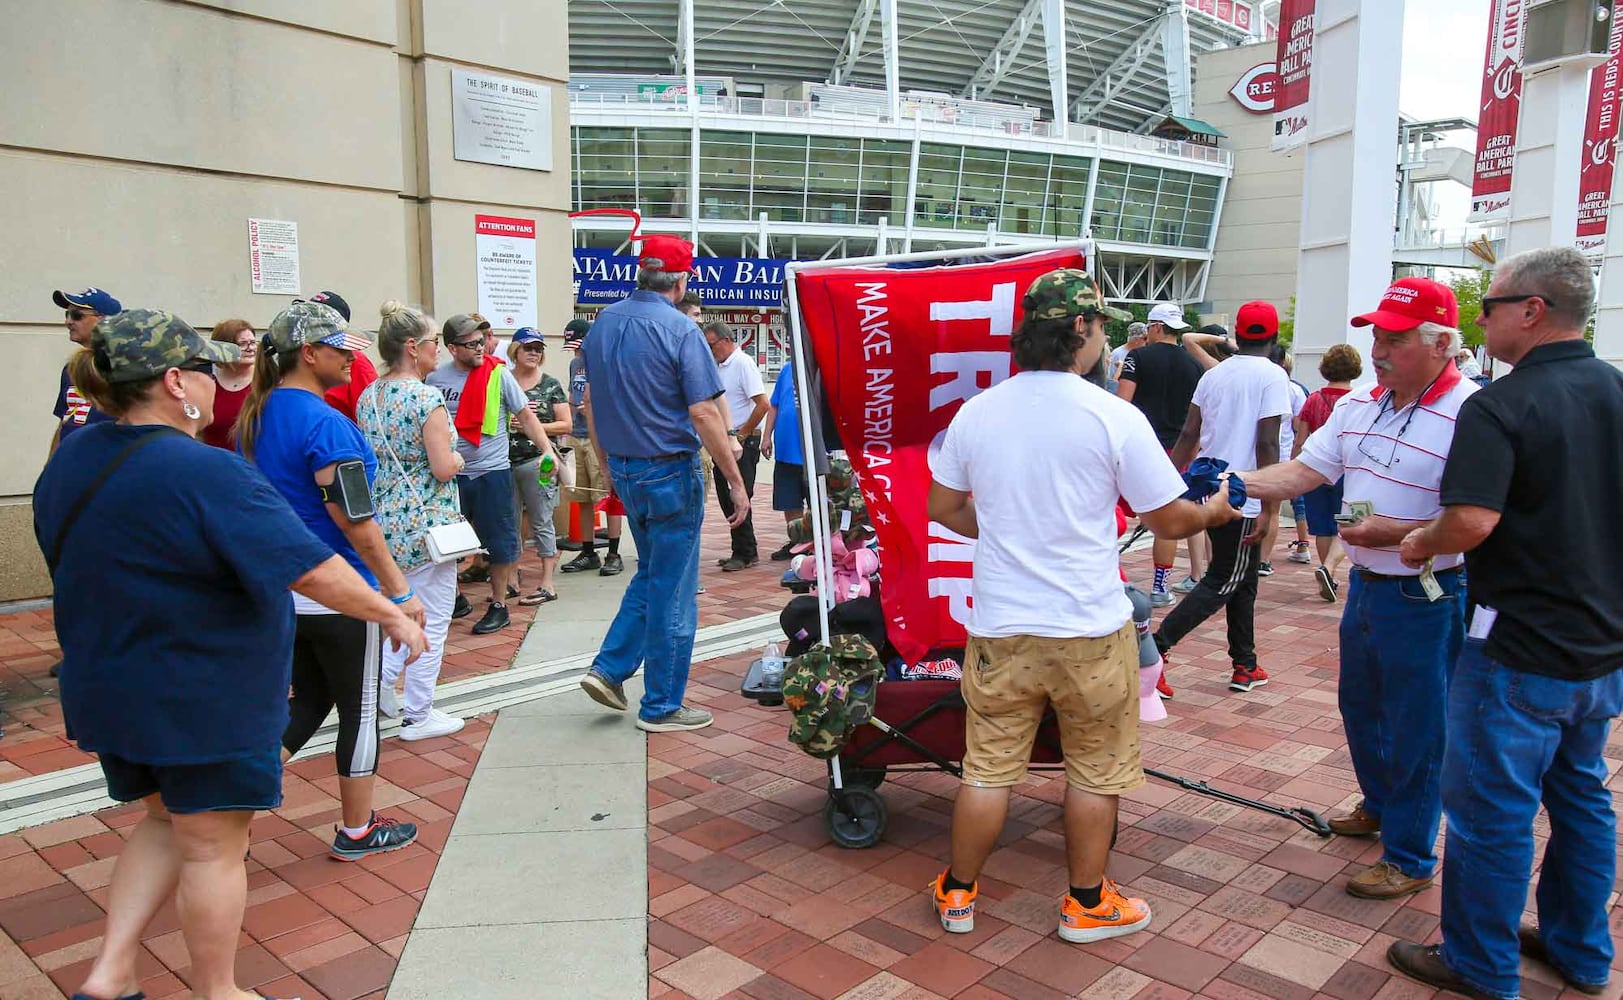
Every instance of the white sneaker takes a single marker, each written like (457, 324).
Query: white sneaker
(430, 726)
(388, 701)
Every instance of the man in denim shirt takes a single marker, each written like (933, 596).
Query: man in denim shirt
(655, 384)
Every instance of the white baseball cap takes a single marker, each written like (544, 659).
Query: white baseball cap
(1169, 313)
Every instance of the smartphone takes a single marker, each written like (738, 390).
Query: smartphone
(354, 492)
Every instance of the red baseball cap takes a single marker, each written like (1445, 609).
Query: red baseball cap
(1411, 302)
(1256, 321)
(675, 252)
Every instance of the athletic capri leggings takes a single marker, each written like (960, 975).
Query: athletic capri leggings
(336, 662)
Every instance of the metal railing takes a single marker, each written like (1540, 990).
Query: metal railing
(912, 110)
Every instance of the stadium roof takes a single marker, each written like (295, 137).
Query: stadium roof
(990, 49)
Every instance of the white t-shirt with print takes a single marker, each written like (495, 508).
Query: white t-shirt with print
(1232, 397)
(741, 383)
(1046, 455)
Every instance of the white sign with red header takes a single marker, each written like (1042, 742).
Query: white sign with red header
(1295, 62)
(1501, 108)
(505, 250)
(1600, 138)
(1257, 89)
(273, 256)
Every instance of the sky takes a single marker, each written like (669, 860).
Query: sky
(1443, 80)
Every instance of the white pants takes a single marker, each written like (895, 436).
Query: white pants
(436, 588)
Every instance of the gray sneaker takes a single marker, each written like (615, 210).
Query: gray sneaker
(679, 721)
(1160, 599)
(1188, 584)
(603, 691)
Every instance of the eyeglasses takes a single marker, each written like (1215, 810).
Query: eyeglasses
(478, 343)
(1495, 300)
(77, 314)
(1392, 457)
(534, 345)
(200, 367)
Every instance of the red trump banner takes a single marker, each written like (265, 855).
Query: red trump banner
(1600, 138)
(1501, 107)
(900, 350)
(1295, 61)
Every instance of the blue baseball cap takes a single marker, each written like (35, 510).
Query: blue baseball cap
(93, 299)
(527, 335)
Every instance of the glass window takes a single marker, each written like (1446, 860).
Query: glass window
(832, 180)
(1197, 231)
(1024, 192)
(605, 168)
(1171, 208)
(980, 187)
(780, 177)
(883, 191)
(938, 185)
(1138, 203)
(661, 165)
(724, 175)
(1107, 200)
(1067, 196)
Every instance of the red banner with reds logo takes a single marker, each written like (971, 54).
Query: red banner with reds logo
(900, 350)
(1501, 108)
(1600, 136)
(1294, 57)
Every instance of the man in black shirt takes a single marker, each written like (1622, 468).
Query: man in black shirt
(1160, 378)
(1530, 494)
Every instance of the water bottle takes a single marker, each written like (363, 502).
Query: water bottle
(549, 471)
(772, 667)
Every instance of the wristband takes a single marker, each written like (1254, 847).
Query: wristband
(403, 598)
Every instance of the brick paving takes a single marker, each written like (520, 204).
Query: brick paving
(749, 899)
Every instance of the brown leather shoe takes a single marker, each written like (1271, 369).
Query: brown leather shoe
(1384, 880)
(1357, 823)
(1425, 963)
(1533, 947)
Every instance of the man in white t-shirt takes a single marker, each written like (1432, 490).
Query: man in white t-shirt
(1234, 416)
(1032, 468)
(1398, 643)
(745, 404)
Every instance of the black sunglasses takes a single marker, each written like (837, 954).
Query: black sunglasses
(1494, 300)
(76, 314)
(200, 367)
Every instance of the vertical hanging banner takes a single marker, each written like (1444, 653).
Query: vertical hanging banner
(1295, 59)
(1501, 107)
(505, 251)
(900, 350)
(1600, 139)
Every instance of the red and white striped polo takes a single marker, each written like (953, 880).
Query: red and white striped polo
(1392, 458)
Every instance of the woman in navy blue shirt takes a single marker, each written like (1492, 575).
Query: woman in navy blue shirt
(176, 637)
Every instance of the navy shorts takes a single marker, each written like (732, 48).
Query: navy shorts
(253, 782)
(789, 492)
(487, 502)
(1323, 504)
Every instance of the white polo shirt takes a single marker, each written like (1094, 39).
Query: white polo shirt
(1046, 455)
(1393, 459)
(740, 383)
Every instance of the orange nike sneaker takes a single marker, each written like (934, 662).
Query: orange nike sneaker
(955, 908)
(1115, 916)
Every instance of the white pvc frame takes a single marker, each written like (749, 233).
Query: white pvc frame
(816, 482)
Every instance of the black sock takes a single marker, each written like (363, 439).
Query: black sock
(614, 546)
(951, 884)
(1089, 898)
(587, 549)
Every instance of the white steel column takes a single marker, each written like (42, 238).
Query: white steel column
(912, 188)
(1549, 154)
(686, 29)
(1059, 84)
(1344, 262)
(1175, 52)
(893, 57)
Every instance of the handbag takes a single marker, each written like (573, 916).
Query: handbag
(445, 542)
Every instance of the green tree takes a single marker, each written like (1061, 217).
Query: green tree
(1469, 288)
(1116, 329)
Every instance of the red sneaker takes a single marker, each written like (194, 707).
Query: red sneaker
(955, 908)
(1246, 678)
(1161, 685)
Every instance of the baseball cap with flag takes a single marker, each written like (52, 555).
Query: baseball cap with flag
(93, 299)
(1067, 292)
(1410, 302)
(330, 299)
(675, 253)
(313, 323)
(136, 344)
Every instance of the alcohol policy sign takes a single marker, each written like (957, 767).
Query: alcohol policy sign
(602, 277)
(1295, 61)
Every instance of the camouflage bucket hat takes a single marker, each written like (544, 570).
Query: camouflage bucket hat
(139, 344)
(313, 323)
(1065, 293)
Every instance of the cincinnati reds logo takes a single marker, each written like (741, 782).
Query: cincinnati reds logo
(1256, 89)
(1504, 81)
(1600, 152)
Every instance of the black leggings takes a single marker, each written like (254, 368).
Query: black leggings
(336, 662)
(1230, 583)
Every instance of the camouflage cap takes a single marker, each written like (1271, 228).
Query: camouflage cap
(313, 323)
(1065, 293)
(138, 344)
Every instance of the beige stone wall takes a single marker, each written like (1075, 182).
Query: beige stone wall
(138, 174)
(1260, 229)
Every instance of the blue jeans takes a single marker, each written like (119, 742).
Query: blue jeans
(1397, 651)
(659, 613)
(1514, 739)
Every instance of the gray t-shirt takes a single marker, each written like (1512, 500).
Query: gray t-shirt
(577, 395)
(491, 454)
